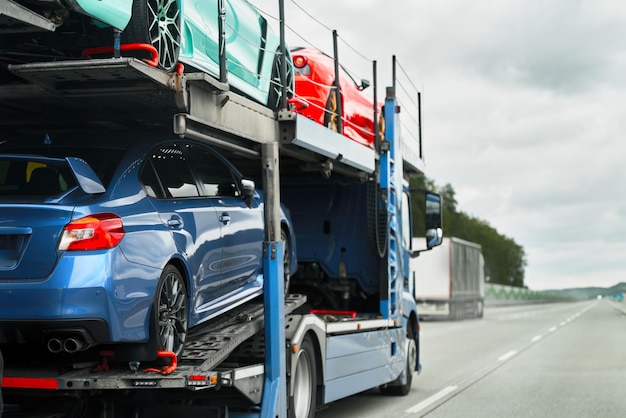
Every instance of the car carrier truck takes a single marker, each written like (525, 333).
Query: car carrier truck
(450, 280)
(349, 322)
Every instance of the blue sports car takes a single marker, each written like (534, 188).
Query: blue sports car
(124, 239)
(181, 31)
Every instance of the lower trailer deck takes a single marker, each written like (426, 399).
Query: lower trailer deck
(207, 346)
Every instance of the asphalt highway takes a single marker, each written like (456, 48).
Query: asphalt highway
(544, 360)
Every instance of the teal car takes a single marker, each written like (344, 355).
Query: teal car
(182, 31)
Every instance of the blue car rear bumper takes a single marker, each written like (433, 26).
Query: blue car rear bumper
(113, 303)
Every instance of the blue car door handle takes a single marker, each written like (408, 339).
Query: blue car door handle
(175, 222)
(225, 218)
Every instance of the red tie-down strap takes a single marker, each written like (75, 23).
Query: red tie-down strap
(153, 61)
(166, 369)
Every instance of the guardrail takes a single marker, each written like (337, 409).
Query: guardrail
(496, 294)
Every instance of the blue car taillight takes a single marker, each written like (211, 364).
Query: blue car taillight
(94, 232)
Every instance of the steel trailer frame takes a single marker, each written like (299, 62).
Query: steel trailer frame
(199, 107)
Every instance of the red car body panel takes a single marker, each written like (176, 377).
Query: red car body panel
(314, 79)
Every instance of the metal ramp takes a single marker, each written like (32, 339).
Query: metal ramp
(213, 343)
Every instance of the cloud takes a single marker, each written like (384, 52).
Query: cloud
(565, 46)
(523, 114)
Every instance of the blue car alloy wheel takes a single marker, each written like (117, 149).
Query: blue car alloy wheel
(171, 310)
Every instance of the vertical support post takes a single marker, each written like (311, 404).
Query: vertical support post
(391, 189)
(283, 58)
(393, 73)
(376, 121)
(337, 84)
(221, 29)
(274, 402)
(419, 122)
(384, 179)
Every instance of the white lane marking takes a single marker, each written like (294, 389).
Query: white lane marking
(552, 329)
(536, 338)
(429, 401)
(562, 323)
(507, 356)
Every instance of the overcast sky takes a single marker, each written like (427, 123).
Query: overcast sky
(523, 114)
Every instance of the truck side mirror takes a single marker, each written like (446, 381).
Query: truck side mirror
(247, 187)
(434, 227)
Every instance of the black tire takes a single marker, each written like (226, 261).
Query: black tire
(331, 117)
(276, 86)
(397, 388)
(286, 258)
(156, 22)
(303, 402)
(171, 310)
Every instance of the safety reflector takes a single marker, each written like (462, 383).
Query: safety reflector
(332, 312)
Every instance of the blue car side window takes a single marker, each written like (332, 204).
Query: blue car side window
(214, 175)
(150, 182)
(172, 168)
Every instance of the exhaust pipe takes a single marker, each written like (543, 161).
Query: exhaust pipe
(68, 340)
(69, 345)
(55, 345)
(72, 345)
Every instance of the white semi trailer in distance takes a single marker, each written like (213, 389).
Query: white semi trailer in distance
(449, 280)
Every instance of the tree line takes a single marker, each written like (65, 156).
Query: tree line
(505, 260)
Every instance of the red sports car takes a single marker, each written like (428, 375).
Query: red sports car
(314, 81)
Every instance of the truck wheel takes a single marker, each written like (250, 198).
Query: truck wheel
(156, 22)
(171, 310)
(397, 388)
(302, 403)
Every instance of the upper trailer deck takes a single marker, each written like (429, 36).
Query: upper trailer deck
(128, 93)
